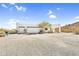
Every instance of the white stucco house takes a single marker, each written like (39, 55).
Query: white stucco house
(31, 28)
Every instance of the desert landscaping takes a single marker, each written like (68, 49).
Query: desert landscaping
(37, 29)
(48, 44)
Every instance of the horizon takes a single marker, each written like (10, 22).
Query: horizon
(34, 13)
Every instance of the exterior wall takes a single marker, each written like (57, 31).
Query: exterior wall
(21, 28)
(56, 26)
(25, 29)
(33, 30)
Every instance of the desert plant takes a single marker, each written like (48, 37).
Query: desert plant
(2, 33)
(76, 31)
(12, 31)
(44, 24)
(57, 30)
(1, 29)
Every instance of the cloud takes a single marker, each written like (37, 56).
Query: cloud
(20, 8)
(3, 5)
(12, 3)
(58, 8)
(77, 17)
(50, 12)
(52, 16)
(12, 23)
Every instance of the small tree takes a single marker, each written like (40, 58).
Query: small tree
(1, 29)
(44, 25)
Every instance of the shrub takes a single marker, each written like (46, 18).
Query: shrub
(12, 31)
(76, 32)
(44, 25)
(2, 33)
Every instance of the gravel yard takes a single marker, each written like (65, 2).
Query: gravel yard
(55, 44)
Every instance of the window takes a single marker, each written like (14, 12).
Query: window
(21, 27)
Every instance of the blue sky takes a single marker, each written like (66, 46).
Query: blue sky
(34, 13)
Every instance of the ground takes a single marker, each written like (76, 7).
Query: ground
(53, 44)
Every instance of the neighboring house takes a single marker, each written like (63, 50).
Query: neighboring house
(30, 29)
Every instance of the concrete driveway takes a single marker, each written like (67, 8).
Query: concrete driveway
(54, 44)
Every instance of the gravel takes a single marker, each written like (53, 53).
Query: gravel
(52, 44)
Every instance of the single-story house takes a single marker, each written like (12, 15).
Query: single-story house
(30, 28)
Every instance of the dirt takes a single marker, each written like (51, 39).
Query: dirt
(52, 44)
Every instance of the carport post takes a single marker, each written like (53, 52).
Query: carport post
(59, 28)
